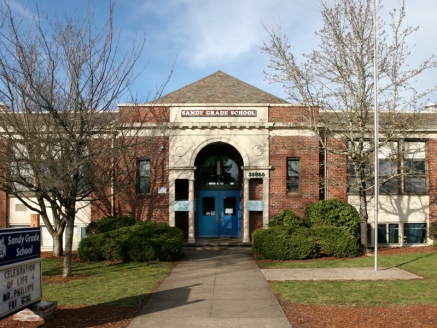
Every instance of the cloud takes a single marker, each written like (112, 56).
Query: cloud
(209, 32)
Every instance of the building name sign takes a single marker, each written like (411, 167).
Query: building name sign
(17, 245)
(218, 113)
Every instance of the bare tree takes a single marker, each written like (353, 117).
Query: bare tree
(63, 143)
(338, 78)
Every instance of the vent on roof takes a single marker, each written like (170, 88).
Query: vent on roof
(20, 208)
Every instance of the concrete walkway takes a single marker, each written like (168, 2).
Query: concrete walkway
(213, 288)
(338, 274)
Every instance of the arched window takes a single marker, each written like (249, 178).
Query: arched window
(218, 170)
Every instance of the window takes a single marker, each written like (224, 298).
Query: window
(369, 234)
(389, 168)
(143, 177)
(219, 170)
(292, 175)
(353, 180)
(414, 167)
(388, 233)
(355, 149)
(402, 169)
(414, 233)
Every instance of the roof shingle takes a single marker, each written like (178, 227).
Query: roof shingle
(218, 88)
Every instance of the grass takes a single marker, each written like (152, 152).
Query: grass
(363, 293)
(103, 283)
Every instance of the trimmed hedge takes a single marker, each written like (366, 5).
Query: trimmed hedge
(110, 223)
(284, 243)
(286, 217)
(142, 242)
(334, 241)
(336, 213)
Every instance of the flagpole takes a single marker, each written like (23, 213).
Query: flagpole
(376, 127)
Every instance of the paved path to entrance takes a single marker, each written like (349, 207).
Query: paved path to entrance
(213, 288)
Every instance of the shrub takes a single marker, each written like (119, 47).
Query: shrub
(110, 223)
(334, 212)
(286, 217)
(142, 242)
(334, 241)
(284, 243)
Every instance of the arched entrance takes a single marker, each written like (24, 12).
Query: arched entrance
(219, 184)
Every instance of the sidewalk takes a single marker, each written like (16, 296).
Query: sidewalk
(338, 274)
(213, 288)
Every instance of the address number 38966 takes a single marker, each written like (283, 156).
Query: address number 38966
(256, 174)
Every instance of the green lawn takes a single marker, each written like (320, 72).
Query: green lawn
(102, 283)
(363, 293)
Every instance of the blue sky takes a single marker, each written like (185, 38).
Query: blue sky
(203, 36)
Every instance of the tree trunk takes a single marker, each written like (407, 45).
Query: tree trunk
(57, 244)
(69, 231)
(364, 216)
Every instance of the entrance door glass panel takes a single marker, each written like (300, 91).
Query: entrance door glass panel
(219, 213)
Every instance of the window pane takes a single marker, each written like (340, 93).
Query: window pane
(144, 176)
(382, 234)
(144, 185)
(415, 184)
(369, 234)
(292, 175)
(415, 233)
(390, 186)
(293, 168)
(227, 175)
(415, 167)
(208, 206)
(144, 168)
(387, 168)
(393, 230)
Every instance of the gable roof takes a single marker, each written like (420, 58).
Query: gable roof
(220, 88)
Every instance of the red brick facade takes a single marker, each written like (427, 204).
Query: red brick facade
(128, 201)
(306, 150)
(3, 210)
(255, 193)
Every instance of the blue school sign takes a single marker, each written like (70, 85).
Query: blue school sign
(17, 245)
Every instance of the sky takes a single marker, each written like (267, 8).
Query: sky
(199, 37)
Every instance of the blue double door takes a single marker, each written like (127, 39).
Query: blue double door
(219, 213)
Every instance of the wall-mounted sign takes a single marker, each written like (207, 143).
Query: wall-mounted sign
(218, 113)
(182, 205)
(255, 205)
(162, 190)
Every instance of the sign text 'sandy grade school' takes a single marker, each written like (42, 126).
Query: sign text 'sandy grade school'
(219, 113)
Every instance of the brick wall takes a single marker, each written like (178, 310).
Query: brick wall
(297, 114)
(3, 210)
(153, 206)
(306, 149)
(255, 193)
(336, 172)
(144, 114)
